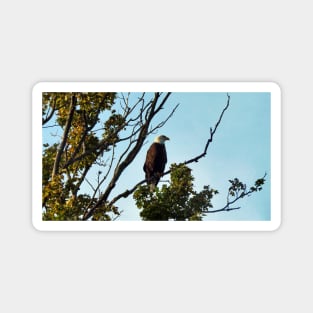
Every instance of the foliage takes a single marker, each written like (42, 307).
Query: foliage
(93, 125)
(177, 201)
(66, 162)
(239, 190)
(88, 129)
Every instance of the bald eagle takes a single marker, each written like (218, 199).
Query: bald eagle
(155, 161)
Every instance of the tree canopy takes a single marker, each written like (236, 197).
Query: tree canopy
(99, 134)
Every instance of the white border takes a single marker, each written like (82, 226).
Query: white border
(271, 87)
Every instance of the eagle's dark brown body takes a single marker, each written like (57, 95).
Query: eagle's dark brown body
(155, 163)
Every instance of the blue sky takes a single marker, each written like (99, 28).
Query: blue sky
(241, 148)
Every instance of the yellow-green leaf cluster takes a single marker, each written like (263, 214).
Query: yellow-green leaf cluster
(75, 150)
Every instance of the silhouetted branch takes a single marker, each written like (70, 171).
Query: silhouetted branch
(238, 190)
(203, 154)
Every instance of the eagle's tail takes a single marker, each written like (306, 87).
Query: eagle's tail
(152, 182)
(152, 187)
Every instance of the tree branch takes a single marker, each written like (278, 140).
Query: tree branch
(67, 127)
(128, 192)
(138, 142)
(49, 114)
(239, 192)
(203, 154)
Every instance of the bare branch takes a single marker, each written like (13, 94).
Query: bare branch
(100, 182)
(128, 192)
(91, 185)
(160, 125)
(50, 126)
(221, 210)
(203, 154)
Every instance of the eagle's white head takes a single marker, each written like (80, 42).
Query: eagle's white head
(161, 139)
